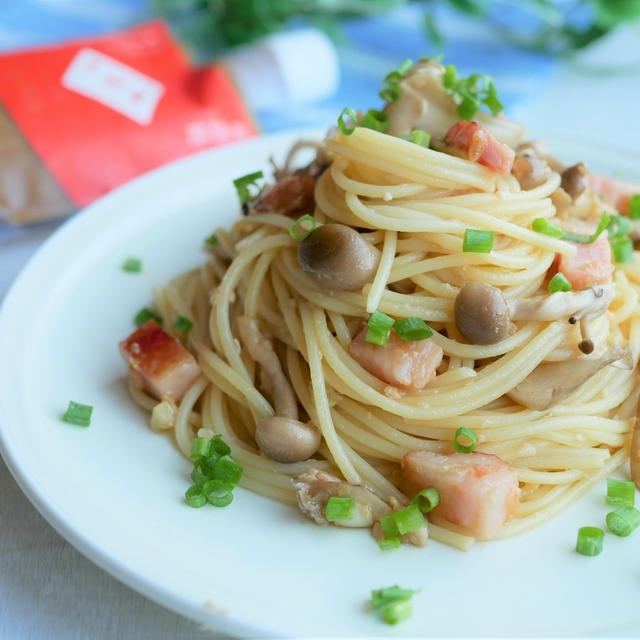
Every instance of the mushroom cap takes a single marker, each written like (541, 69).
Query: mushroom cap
(286, 440)
(481, 313)
(337, 257)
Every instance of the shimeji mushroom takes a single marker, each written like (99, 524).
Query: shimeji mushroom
(337, 257)
(281, 437)
(484, 316)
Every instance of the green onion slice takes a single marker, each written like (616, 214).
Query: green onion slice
(386, 544)
(618, 225)
(412, 329)
(195, 496)
(396, 612)
(340, 509)
(132, 265)
(377, 120)
(211, 240)
(623, 521)
(420, 137)
(471, 93)
(634, 206)
(542, 225)
(402, 521)
(465, 435)
(217, 492)
(393, 603)
(589, 542)
(427, 499)
(347, 121)
(144, 315)
(227, 470)
(183, 324)
(379, 328)
(621, 493)
(621, 248)
(559, 282)
(245, 184)
(78, 413)
(200, 448)
(302, 234)
(477, 241)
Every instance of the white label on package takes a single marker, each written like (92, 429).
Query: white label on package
(114, 85)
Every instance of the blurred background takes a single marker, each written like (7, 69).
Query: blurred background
(566, 69)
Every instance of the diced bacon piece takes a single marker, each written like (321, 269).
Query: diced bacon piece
(592, 263)
(158, 362)
(478, 491)
(480, 146)
(292, 196)
(617, 193)
(401, 363)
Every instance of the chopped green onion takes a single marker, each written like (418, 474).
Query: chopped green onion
(623, 521)
(465, 435)
(339, 509)
(379, 328)
(477, 241)
(589, 542)
(382, 597)
(377, 120)
(244, 184)
(132, 265)
(195, 496)
(393, 603)
(211, 240)
(197, 477)
(219, 446)
(386, 544)
(390, 91)
(144, 315)
(412, 329)
(427, 499)
(300, 236)
(420, 137)
(621, 492)
(227, 470)
(397, 611)
(584, 239)
(215, 473)
(200, 448)
(634, 206)
(351, 118)
(402, 521)
(182, 324)
(542, 225)
(621, 248)
(79, 414)
(471, 93)
(618, 225)
(405, 67)
(217, 492)
(559, 282)
(389, 527)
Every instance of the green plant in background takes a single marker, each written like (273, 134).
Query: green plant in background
(558, 26)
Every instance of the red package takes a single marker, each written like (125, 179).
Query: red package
(82, 118)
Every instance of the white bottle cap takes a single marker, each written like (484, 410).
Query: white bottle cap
(286, 68)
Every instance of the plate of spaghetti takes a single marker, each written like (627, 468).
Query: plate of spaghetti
(385, 374)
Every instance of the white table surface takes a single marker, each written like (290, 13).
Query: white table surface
(49, 590)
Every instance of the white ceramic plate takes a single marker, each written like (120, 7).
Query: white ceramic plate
(257, 568)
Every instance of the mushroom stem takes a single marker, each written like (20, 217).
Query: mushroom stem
(586, 344)
(261, 350)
